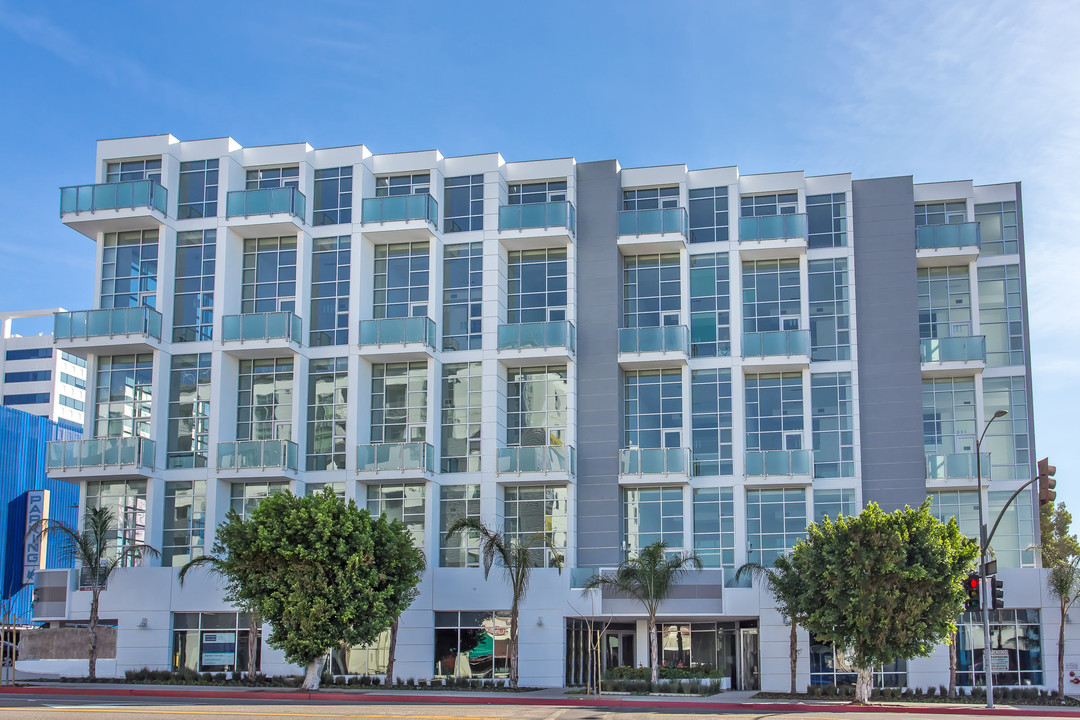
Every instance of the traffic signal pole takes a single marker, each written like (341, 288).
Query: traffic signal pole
(983, 545)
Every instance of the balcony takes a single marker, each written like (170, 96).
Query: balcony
(258, 335)
(649, 465)
(523, 343)
(654, 347)
(946, 356)
(122, 458)
(402, 461)
(649, 231)
(537, 225)
(772, 236)
(112, 207)
(410, 338)
(258, 459)
(957, 467)
(542, 461)
(779, 349)
(401, 218)
(117, 331)
(256, 213)
(779, 463)
(937, 245)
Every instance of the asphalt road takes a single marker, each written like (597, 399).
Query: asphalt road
(46, 707)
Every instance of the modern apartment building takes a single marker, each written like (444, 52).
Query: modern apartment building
(35, 377)
(610, 355)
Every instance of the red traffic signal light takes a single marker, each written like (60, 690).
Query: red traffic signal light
(1047, 483)
(973, 601)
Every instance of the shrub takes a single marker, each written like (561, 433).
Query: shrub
(813, 691)
(474, 684)
(960, 692)
(376, 681)
(906, 693)
(693, 686)
(1029, 694)
(943, 691)
(421, 682)
(931, 691)
(500, 684)
(207, 678)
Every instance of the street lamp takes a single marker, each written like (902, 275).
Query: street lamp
(982, 564)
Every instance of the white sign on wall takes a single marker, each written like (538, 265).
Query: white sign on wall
(37, 510)
(999, 660)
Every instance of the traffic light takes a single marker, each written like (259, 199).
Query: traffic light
(971, 589)
(1047, 483)
(997, 594)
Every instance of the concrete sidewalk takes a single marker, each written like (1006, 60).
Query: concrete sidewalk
(731, 701)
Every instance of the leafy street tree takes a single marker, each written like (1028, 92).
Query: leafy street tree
(321, 575)
(786, 587)
(1063, 582)
(648, 577)
(518, 559)
(882, 585)
(91, 548)
(1061, 554)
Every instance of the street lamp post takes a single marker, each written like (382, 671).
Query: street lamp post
(982, 564)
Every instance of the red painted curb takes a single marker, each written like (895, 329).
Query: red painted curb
(569, 701)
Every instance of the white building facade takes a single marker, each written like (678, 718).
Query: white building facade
(34, 376)
(613, 356)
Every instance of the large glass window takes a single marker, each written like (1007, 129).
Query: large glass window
(652, 409)
(27, 399)
(948, 415)
(832, 417)
(401, 280)
(197, 195)
(533, 509)
(834, 503)
(399, 402)
(400, 502)
(463, 203)
(330, 274)
(714, 527)
(458, 501)
(32, 354)
(127, 500)
(189, 411)
(652, 291)
(942, 213)
(536, 285)
(826, 220)
(472, 644)
(767, 205)
(333, 196)
(709, 215)
(193, 311)
(185, 522)
(1016, 656)
(462, 400)
(132, 170)
(1007, 440)
(1014, 541)
(775, 520)
(269, 279)
(536, 406)
(537, 192)
(771, 295)
(213, 642)
(245, 497)
(264, 400)
(124, 394)
(650, 198)
(710, 305)
(463, 291)
(650, 515)
(998, 228)
(1001, 314)
(327, 417)
(774, 412)
(129, 269)
(273, 178)
(28, 376)
(830, 309)
(362, 660)
(831, 666)
(710, 402)
(944, 302)
(394, 185)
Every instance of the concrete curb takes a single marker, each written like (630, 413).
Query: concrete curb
(621, 703)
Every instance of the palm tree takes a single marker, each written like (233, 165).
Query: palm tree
(219, 566)
(1063, 582)
(648, 577)
(518, 558)
(783, 582)
(90, 549)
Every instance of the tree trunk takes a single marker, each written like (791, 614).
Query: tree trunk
(1061, 655)
(313, 674)
(652, 650)
(253, 646)
(514, 642)
(952, 664)
(793, 651)
(393, 649)
(864, 685)
(92, 626)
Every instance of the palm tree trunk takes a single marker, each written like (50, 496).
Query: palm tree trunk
(652, 650)
(793, 652)
(514, 641)
(952, 664)
(393, 649)
(92, 626)
(253, 646)
(1061, 654)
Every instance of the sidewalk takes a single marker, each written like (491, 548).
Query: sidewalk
(731, 700)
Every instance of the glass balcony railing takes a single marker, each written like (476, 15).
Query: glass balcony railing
(78, 199)
(100, 453)
(257, 455)
(653, 222)
(668, 338)
(556, 333)
(536, 459)
(398, 331)
(773, 227)
(82, 324)
(538, 215)
(968, 348)
(399, 208)
(395, 457)
(778, 462)
(282, 325)
(267, 201)
(956, 466)
(776, 343)
(935, 237)
(654, 461)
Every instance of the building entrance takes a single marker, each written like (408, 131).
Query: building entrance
(618, 649)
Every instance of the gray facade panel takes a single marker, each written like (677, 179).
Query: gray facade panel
(890, 375)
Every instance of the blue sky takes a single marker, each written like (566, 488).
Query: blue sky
(944, 91)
